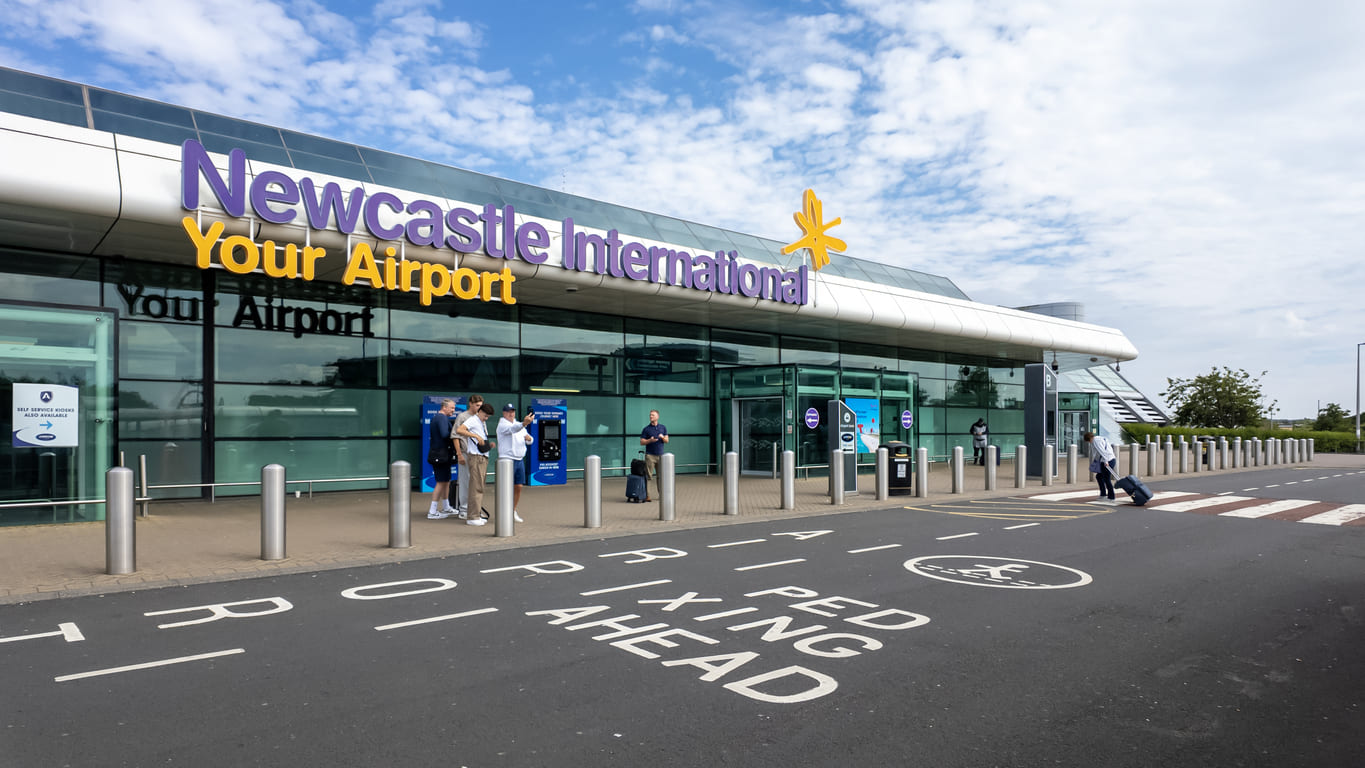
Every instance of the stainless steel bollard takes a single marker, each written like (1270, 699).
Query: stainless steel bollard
(1184, 458)
(400, 505)
(1168, 461)
(1133, 452)
(1236, 452)
(592, 492)
(1256, 457)
(504, 525)
(991, 453)
(883, 474)
(957, 467)
(774, 459)
(1020, 466)
(732, 483)
(1049, 463)
(789, 479)
(1197, 451)
(922, 473)
(1073, 458)
(272, 512)
(1311, 447)
(1151, 459)
(144, 508)
(120, 537)
(668, 486)
(836, 480)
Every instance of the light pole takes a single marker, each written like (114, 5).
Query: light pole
(1358, 346)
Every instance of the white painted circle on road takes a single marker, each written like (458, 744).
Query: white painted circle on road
(1000, 572)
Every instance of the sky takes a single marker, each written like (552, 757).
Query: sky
(1192, 173)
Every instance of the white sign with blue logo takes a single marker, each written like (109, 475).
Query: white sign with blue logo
(45, 415)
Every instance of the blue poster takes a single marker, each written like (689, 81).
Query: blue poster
(866, 411)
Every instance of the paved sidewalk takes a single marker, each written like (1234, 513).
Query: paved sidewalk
(192, 542)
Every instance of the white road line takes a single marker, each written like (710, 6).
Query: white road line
(1270, 508)
(872, 549)
(434, 619)
(627, 586)
(770, 565)
(724, 614)
(148, 665)
(1276, 485)
(1291, 482)
(1017, 527)
(1338, 516)
(735, 543)
(1224, 493)
(1063, 496)
(958, 536)
(1186, 506)
(1245, 490)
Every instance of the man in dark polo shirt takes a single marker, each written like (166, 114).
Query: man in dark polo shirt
(654, 437)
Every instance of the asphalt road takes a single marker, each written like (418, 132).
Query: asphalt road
(987, 633)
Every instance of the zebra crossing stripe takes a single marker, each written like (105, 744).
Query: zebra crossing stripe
(1261, 510)
(1211, 501)
(1338, 516)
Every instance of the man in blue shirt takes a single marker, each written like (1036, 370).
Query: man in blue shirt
(654, 437)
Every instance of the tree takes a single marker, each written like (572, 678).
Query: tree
(1334, 418)
(1226, 399)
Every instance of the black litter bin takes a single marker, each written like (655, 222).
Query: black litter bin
(900, 471)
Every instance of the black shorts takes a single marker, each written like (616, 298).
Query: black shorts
(441, 470)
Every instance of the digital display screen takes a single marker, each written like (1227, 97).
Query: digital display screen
(549, 430)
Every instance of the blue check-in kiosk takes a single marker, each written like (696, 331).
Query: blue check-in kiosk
(547, 461)
(431, 404)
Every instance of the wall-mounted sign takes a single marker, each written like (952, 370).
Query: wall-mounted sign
(45, 415)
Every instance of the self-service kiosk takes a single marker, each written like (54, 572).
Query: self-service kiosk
(843, 444)
(431, 405)
(1040, 416)
(547, 462)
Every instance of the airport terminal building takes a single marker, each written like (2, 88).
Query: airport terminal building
(215, 295)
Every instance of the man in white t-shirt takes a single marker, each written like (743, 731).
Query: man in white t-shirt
(512, 441)
(475, 433)
(462, 485)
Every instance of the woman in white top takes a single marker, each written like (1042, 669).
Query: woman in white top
(1102, 451)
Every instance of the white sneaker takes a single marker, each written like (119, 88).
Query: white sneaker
(463, 516)
(517, 516)
(450, 511)
(434, 515)
(476, 521)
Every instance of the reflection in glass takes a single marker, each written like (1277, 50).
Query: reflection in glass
(339, 361)
(261, 411)
(160, 409)
(452, 367)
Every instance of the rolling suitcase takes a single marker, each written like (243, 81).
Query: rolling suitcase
(1135, 488)
(636, 489)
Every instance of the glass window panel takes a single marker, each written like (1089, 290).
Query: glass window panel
(313, 359)
(463, 368)
(49, 278)
(1005, 423)
(809, 351)
(467, 186)
(238, 461)
(244, 410)
(262, 152)
(868, 356)
(876, 272)
(548, 329)
(1009, 395)
(932, 391)
(417, 182)
(466, 322)
(238, 129)
(742, 348)
(897, 383)
(926, 364)
(816, 383)
(682, 417)
(651, 377)
(144, 291)
(596, 416)
(316, 145)
(142, 129)
(550, 372)
(760, 382)
(160, 351)
(160, 409)
(691, 454)
(858, 384)
(140, 108)
(710, 238)
(673, 231)
(37, 85)
(329, 165)
(169, 462)
(43, 109)
(611, 449)
(409, 450)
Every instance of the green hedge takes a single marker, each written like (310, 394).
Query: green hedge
(1324, 442)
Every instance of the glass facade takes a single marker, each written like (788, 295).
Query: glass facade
(214, 380)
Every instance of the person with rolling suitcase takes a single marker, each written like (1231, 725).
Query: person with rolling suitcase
(1103, 462)
(653, 437)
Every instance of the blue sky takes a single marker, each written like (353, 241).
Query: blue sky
(1192, 172)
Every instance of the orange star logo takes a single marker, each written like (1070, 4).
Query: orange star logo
(814, 232)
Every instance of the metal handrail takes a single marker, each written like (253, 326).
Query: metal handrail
(76, 503)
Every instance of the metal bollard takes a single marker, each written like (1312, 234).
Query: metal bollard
(732, 483)
(592, 492)
(1020, 466)
(1222, 454)
(272, 512)
(144, 508)
(1133, 451)
(1311, 447)
(1073, 458)
(883, 474)
(1184, 458)
(836, 480)
(1049, 463)
(991, 453)
(1197, 451)
(120, 538)
(958, 481)
(400, 505)
(668, 487)
(922, 473)
(1151, 459)
(789, 479)
(1257, 457)
(1168, 460)
(504, 525)
(1236, 452)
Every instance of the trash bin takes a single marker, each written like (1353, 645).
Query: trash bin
(900, 471)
